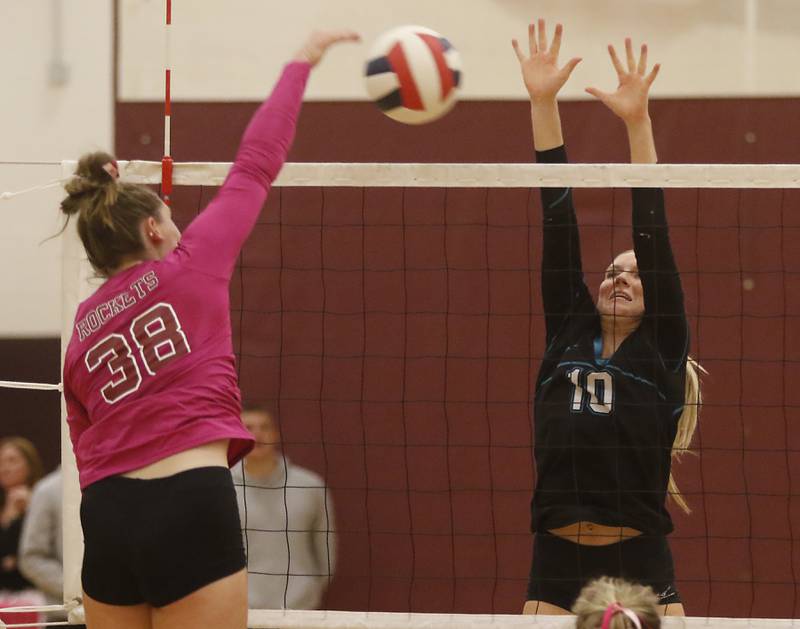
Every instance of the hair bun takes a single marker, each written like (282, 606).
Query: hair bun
(95, 172)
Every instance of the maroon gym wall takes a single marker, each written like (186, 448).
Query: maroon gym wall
(448, 439)
(34, 415)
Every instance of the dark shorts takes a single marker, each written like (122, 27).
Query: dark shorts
(561, 568)
(156, 541)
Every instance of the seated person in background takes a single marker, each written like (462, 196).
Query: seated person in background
(20, 469)
(607, 603)
(40, 547)
(287, 517)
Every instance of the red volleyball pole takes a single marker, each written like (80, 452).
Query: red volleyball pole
(166, 161)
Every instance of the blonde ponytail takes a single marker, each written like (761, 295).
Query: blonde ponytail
(687, 424)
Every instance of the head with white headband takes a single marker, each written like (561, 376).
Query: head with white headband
(607, 603)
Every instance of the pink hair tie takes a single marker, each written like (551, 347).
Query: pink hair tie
(112, 169)
(616, 608)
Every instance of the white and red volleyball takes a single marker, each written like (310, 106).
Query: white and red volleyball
(413, 74)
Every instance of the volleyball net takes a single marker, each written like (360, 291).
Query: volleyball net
(390, 316)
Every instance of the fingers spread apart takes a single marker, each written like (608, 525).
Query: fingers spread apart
(537, 39)
(639, 67)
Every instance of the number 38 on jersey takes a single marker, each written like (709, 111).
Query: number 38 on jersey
(159, 339)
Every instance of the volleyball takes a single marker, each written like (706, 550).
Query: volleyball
(413, 74)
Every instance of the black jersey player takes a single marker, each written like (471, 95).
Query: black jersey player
(612, 403)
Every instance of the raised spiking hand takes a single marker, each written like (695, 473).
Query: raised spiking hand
(319, 41)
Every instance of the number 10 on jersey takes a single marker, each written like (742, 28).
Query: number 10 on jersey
(592, 388)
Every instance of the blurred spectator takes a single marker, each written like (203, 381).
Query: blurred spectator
(40, 551)
(287, 517)
(20, 469)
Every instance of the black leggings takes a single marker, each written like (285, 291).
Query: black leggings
(560, 568)
(156, 541)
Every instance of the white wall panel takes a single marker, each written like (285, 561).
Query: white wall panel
(57, 102)
(232, 50)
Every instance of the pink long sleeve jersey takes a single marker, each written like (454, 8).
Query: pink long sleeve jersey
(149, 370)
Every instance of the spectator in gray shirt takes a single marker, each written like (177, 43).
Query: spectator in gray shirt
(40, 549)
(287, 517)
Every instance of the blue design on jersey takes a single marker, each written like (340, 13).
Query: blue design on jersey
(579, 363)
(598, 352)
(560, 199)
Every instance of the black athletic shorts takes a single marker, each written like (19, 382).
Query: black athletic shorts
(156, 541)
(560, 568)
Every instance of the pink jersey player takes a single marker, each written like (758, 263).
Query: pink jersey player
(150, 382)
(149, 370)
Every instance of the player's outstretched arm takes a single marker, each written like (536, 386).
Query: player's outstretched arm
(543, 79)
(214, 238)
(630, 101)
(663, 294)
(562, 278)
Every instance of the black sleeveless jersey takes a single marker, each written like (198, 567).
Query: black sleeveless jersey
(604, 429)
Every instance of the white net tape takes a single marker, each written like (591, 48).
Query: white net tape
(296, 619)
(375, 620)
(487, 175)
